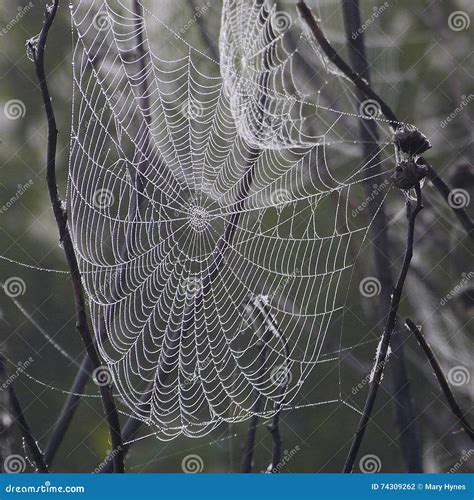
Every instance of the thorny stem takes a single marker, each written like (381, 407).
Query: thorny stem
(443, 383)
(387, 333)
(20, 419)
(82, 326)
(363, 85)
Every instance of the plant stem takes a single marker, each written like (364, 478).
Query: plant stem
(387, 333)
(401, 394)
(20, 419)
(443, 383)
(82, 326)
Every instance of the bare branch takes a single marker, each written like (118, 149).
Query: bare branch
(20, 419)
(82, 326)
(387, 333)
(443, 383)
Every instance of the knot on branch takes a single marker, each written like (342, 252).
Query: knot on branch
(410, 142)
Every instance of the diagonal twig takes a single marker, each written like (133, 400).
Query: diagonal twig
(382, 351)
(20, 419)
(443, 383)
(82, 326)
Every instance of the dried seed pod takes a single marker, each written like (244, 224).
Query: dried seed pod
(408, 174)
(409, 140)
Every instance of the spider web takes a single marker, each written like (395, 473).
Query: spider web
(211, 209)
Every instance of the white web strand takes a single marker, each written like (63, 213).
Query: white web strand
(161, 139)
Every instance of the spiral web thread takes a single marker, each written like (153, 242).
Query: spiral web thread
(162, 143)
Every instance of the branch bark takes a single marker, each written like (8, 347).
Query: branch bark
(443, 383)
(60, 215)
(20, 419)
(401, 394)
(387, 333)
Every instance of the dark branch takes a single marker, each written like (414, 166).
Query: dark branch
(363, 85)
(443, 383)
(82, 326)
(369, 138)
(67, 412)
(387, 333)
(19, 418)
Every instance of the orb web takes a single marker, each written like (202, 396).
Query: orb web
(212, 210)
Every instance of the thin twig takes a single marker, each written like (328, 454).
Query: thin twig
(387, 333)
(20, 419)
(443, 383)
(363, 85)
(82, 326)
(360, 82)
(401, 393)
(67, 412)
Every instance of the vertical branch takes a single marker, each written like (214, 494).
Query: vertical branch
(82, 326)
(20, 419)
(402, 401)
(387, 333)
(443, 383)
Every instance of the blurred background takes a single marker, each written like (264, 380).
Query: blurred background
(421, 56)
